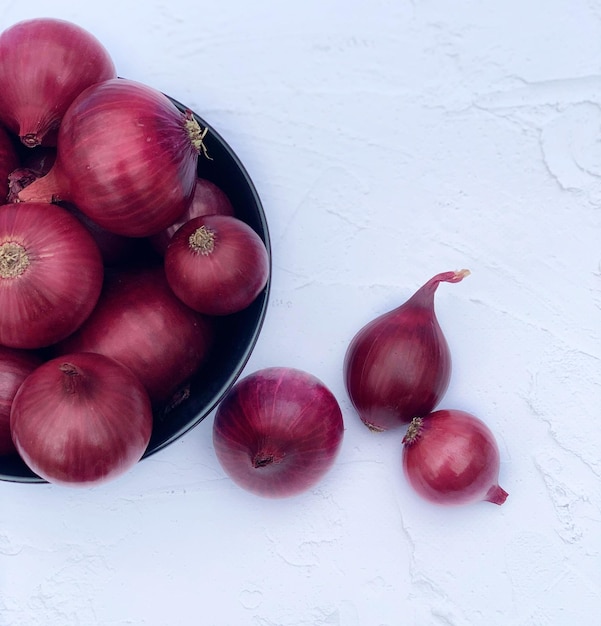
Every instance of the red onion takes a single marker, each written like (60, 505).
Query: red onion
(451, 457)
(50, 274)
(277, 432)
(139, 322)
(44, 64)
(126, 157)
(216, 264)
(398, 366)
(81, 419)
(208, 199)
(15, 367)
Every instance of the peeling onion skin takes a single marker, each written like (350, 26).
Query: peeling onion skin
(451, 457)
(15, 367)
(278, 432)
(45, 63)
(81, 420)
(398, 366)
(126, 157)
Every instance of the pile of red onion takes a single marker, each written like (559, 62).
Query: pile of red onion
(119, 260)
(118, 263)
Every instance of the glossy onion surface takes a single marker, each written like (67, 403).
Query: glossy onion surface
(398, 366)
(278, 431)
(451, 457)
(50, 274)
(81, 419)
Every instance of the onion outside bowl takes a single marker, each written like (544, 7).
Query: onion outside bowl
(237, 333)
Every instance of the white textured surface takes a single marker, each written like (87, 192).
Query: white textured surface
(389, 140)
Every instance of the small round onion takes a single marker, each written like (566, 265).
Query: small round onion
(216, 264)
(451, 457)
(126, 157)
(50, 274)
(81, 419)
(15, 367)
(44, 64)
(278, 431)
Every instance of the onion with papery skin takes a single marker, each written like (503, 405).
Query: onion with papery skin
(398, 366)
(278, 431)
(50, 274)
(18, 179)
(451, 457)
(15, 367)
(140, 322)
(208, 199)
(126, 157)
(216, 264)
(81, 420)
(34, 164)
(45, 63)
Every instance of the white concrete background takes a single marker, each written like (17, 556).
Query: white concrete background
(389, 140)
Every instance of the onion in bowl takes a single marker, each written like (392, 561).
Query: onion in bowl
(140, 322)
(126, 157)
(50, 275)
(216, 264)
(15, 367)
(81, 419)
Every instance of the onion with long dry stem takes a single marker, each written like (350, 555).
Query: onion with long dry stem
(398, 366)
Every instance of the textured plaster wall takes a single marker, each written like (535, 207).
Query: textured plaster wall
(389, 140)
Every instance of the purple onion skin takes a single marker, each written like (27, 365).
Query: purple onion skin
(45, 63)
(451, 457)
(398, 366)
(277, 432)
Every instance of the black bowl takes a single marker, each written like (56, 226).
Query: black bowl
(237, 334)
